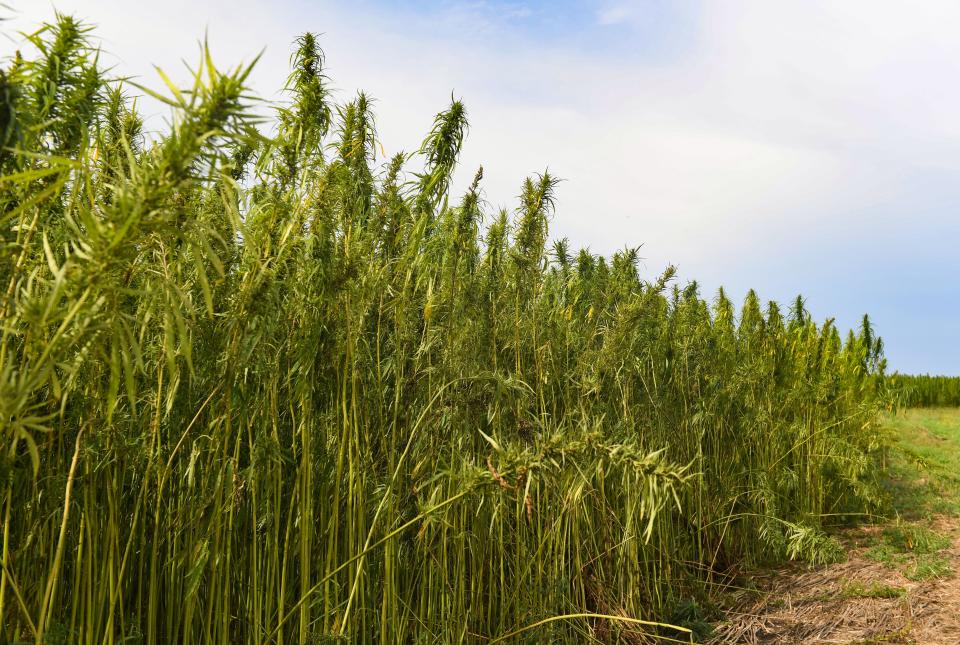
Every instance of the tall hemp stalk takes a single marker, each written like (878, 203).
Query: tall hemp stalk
(279, 389)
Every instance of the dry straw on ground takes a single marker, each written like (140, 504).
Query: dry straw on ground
(800, 606)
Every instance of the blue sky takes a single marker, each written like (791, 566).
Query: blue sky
(797, 146)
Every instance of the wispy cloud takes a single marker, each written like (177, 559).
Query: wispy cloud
(615, 14)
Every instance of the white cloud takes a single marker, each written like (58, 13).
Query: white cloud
(615, 15)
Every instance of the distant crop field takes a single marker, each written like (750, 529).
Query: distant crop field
(260, 385)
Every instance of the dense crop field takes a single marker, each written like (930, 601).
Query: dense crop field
(926, 391)
(274, 388)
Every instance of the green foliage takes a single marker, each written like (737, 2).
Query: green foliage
(258, 389)
(924, 462)
(858, 589)
(926, 391)
(690, 614)
(913, 548)
(930, 567)
(914, 538)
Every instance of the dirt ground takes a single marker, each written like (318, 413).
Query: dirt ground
(844, 603)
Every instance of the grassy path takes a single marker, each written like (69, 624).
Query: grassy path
(899, 583)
